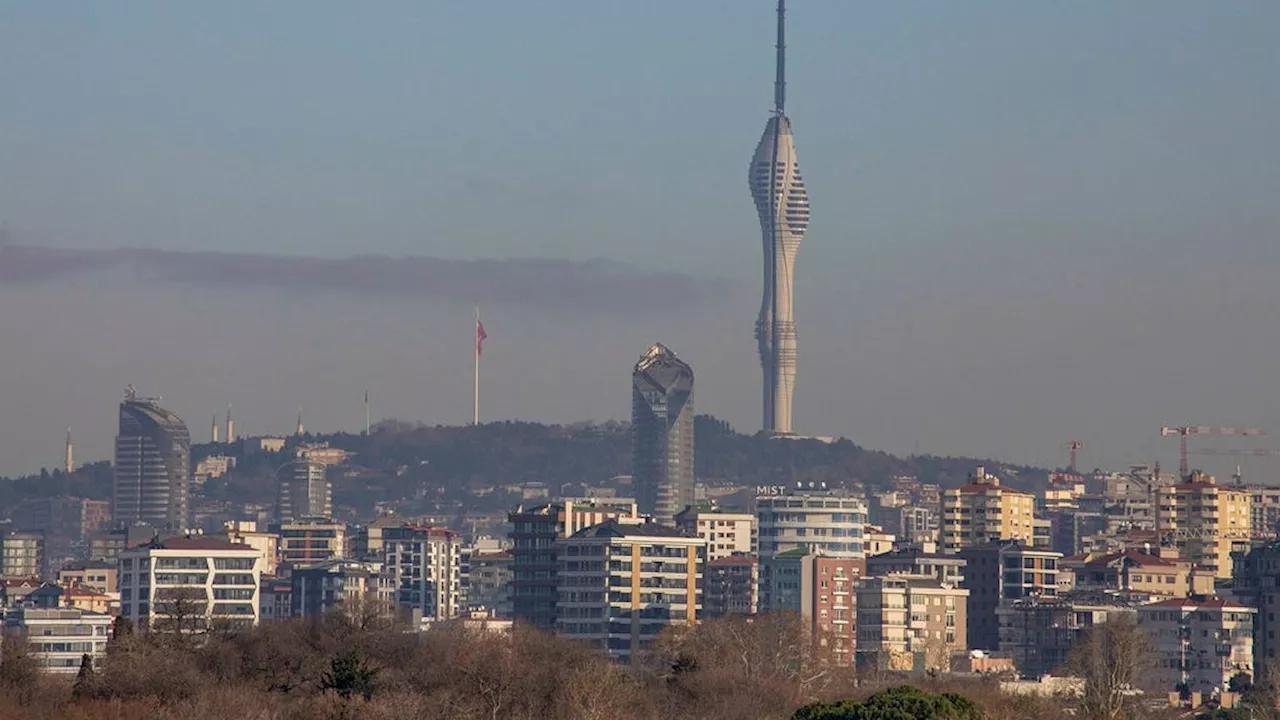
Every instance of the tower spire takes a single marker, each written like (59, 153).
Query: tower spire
(780, 83)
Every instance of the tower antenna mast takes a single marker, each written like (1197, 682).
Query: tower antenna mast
(780, 83)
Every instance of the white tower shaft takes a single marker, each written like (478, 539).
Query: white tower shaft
(782, 205)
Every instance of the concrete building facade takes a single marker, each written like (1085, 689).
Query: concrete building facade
(190, 584)
(726, 533)
(1206, 521)
(829, 523)
(425, 566)
(620, 584)
(982, 511)
(909, 623)
(1200, 642)
(535, 535)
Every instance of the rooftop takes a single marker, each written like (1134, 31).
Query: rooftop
(192, 542)
(1200, 604)
(613, 528)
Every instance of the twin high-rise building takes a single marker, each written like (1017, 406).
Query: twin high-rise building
(783, 208)
(152, 466)
(662, 427)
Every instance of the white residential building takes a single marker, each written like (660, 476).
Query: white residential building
(822, 522)
(726, 533)
(426, 568)
(190, 583)
(1202, 643)
(620, 584)
(59, 638)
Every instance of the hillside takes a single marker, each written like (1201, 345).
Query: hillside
(469, 467)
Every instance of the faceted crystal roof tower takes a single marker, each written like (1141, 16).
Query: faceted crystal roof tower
(783, 208)
(662, 428)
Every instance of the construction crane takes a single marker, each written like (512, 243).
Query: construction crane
(1187, 430)
(1073, 446)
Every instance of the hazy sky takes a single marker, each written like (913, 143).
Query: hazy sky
(1032, 221)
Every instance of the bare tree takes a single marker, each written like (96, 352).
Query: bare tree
(180, 612)
(1110, 658)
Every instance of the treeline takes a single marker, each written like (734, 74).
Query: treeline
(337, 667)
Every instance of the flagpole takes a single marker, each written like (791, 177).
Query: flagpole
(475, 404)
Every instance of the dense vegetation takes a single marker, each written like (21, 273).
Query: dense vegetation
(338, 667)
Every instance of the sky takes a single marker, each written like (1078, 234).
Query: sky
(1033, 222)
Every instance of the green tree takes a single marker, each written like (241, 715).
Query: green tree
(349, 675)
(898, 703)
(85, 679)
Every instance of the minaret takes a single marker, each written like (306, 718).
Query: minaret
(782, 206)
(366, 413)
(213, 429)
(231, 426)
(69, 462)
(302, 429)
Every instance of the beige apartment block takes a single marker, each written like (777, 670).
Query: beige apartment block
(621, 584)
(1205, 521)
(983, 512)
(909, 623)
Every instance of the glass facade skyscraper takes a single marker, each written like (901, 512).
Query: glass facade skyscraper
(152, 468)
(662, 429)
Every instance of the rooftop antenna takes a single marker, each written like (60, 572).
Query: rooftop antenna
(780, 84)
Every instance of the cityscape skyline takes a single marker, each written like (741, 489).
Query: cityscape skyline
(1013, 232)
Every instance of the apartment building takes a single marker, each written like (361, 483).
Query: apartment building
(535, 535)
(22, 555)
(822, 522)
(620, 584)
(489, 583)
(1256, 580)
(922, 560)
(820, 589)
(1137, 575)
(1039, 632)
(726, 533)
(59, 638)
(983, 511)
(248, 533)
(1206, 521)
(1201, 643)
(305, 542)
(1001, 572)
(909, 623)
(360, 589)
(97, 575)
(425, 566)
(731, 586)
(190, 583)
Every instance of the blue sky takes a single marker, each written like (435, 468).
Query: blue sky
(1034, 178)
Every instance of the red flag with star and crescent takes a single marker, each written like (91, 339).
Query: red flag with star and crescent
(480, 336)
